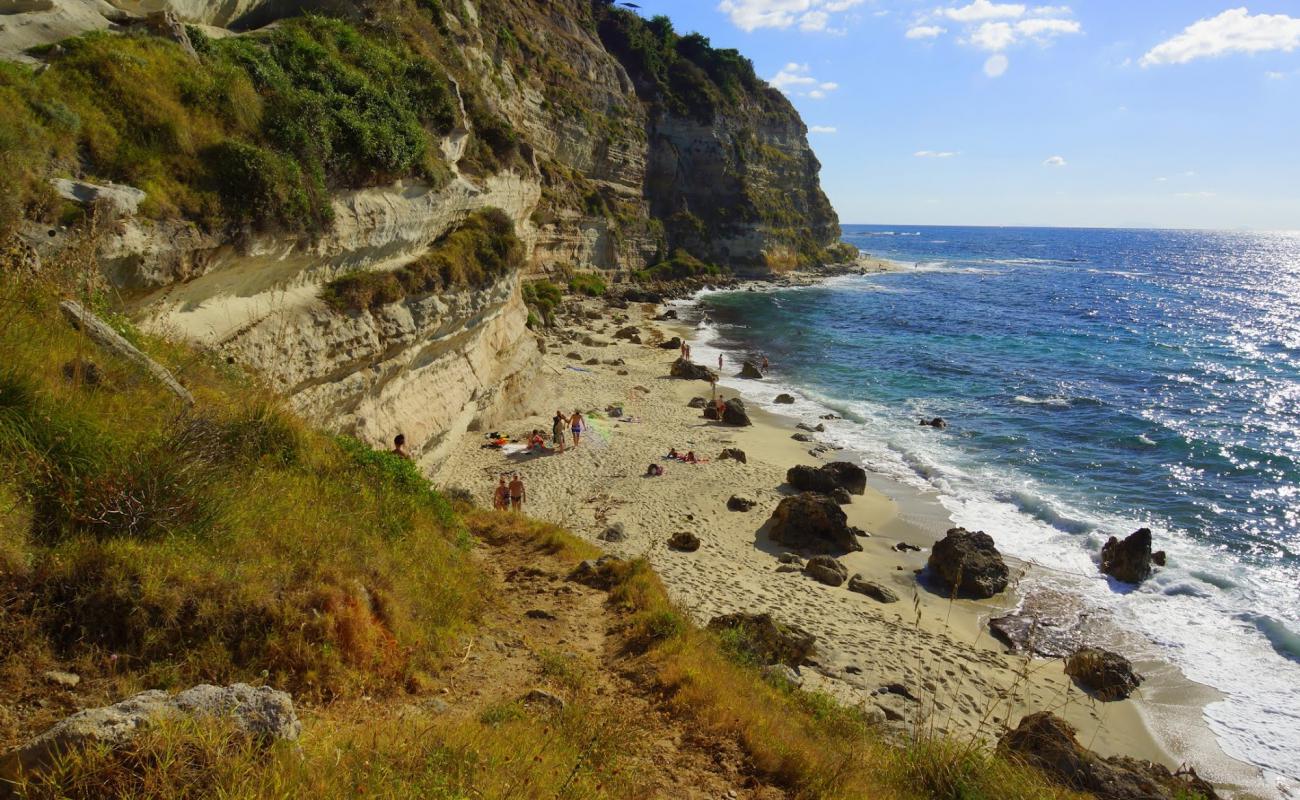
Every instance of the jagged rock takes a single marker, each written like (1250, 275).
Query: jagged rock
(540, 698)
(827, 570)
(83, 372)
(669, 314)
(600, 573)
(852, 477)
(750, 370)
(827, 477)
(689, 370)
(783, 399)
(782, 675)
(684, 541)
(614, 533)
(697, 402)
(802, 437)
(627, 333)
(1108, 675)
(262, 713)
(812, 521)
(937, 422)
(903, 547)
(733, 413)
(735, 503)
(1047, 742)
(734, 453)
(591, 341)
(1128, 560)
(873, 590)
(55, 677)
(674, 343)
(840, 495)
(1158, 558)
(116, 199)
(830, 416)
(969, 563)
(166, 25)
(770, 642)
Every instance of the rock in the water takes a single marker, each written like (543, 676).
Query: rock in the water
(684, 541)
(733, 453)
(614, 533)
(873, 590)
(937, 422)
(669, 314)
(697, 402)
(969, 563)
(737, 503)
(734, 413)
(689, 370)
(812, 521)
(782, 675)
(827, 570)
(1158, 558)
(598, 574)
(750, 370)
(1047, 742)
(57, 677)
(1108, 675)
(262, 713)
(783, 399)
(1128, 560)
(769, 641)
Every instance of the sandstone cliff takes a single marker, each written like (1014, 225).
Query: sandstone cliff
(611, 142)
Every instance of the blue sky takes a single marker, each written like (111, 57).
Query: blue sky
(1148, 113)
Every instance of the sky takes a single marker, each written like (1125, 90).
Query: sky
(1100, 113)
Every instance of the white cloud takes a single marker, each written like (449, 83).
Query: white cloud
(797, 79)
(1274, 76)
(934, 154)
(809, 15)
(1054, 161)
(822, 129)
(980, 10)
(995, 36)
(1233, 31)
(925, 31)
(996, 65)
(1161, 179)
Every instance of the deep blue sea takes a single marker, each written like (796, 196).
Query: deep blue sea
(1096, 381)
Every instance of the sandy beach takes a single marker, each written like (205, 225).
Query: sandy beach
(963, 682)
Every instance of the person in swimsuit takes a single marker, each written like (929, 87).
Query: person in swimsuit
(399, 447)
(719, 360)
(765, 364)
(557, 429)
(685, 350)
(690, 457)
(518, 494)
(576, 425)
(501, 498)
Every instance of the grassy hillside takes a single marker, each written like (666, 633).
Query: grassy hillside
(146, 545)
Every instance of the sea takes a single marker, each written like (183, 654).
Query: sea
(1095, 381)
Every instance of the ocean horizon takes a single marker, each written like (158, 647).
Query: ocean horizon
(1095, 380)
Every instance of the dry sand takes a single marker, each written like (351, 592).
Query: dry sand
(940, 650)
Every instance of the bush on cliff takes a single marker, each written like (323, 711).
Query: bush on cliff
(477, 253)
(679, 266)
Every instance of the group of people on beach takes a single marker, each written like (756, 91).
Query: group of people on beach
(575, 423)
(509, 496)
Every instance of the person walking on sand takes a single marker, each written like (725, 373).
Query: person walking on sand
(501, 498)
(518, 494)
(399, 447)
(576, 426)
(557, 429)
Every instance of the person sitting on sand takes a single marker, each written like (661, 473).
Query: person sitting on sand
(690, 457)
(535, 440)
(672, 453)
(501, 497)
(518, 494)
(576, 426)
(654, 471)
(399, 447)
(557, 429)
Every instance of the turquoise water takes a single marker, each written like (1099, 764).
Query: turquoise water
(1095, 381)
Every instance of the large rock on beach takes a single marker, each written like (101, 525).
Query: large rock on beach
(848, 475)
(684, 541)
(871, 589)
(261, 713)
(734, 453)
(629, 333)
(737, 503)
(815, 522)
(968, 563)
(689, 370)
(750, 370)
(1047, 742)
(1107, 675)
(1129, 559)
(769, 641)
(734, 413)
(674, 343)
(827, 477)
(827, 570)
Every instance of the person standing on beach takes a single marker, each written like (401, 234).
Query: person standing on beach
(501, 498)
(686, 351)
(765, 364)
(518, 494)
(719, 360)
(576, 425)
(557, 429)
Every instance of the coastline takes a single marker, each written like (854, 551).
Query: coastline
(966, 684)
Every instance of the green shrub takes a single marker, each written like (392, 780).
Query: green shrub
(680, 266)
(542, 297)
(588, 283)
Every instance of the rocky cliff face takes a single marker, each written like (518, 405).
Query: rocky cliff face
(601, 162)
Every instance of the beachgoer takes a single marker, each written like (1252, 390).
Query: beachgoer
(501, 497)
(399, 447)
(686, 351)
(654, 471)
(690, 457)
(765, 364)
(518, 494)
(557, 429)
(672, 453)
(576, 426)
(719, 360)
(720, 405)
(535, 440)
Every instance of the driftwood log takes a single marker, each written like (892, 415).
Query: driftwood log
(101, 334)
